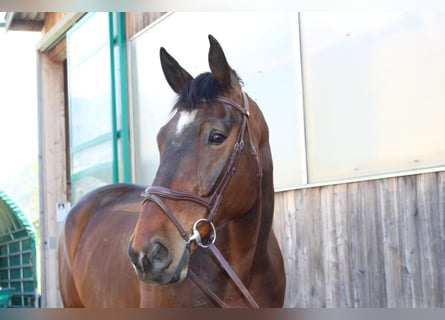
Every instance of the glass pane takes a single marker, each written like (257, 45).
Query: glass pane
(90, 105)
(14, 260)
(26, 258)
(26, 243)
(3, 250)
(14, 247)
(90, 98)
(84, 40)
(266, 58)
(94, 155)
(27, 273)
(373, 86)
(92, 179)
(92, 168)
(4, 275)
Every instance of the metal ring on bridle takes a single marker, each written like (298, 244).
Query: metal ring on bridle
(196, 236)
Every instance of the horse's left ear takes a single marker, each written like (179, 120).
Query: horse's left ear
(218, 64)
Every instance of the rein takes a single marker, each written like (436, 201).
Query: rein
(156, 193)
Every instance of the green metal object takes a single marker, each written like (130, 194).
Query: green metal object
(125, 132)
(5, 297)
(113, 98)
(119, 89)
(18, 274)
(90, 143)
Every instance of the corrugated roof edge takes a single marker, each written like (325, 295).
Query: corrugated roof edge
(19, 214)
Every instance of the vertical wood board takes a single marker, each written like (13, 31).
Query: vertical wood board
(378, 243)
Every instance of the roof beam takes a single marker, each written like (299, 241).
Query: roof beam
(58, 31)
(25, 25)
(9, 17)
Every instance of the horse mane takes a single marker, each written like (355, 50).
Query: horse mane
(204, 87)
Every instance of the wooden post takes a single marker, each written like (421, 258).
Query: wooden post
(53, 179)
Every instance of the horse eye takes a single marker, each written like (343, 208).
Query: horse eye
(217, 138)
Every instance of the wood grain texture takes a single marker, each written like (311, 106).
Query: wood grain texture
(378, 243)
(136, 21)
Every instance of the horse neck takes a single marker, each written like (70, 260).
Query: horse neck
(249, 235)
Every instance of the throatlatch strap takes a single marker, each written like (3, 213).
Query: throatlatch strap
(233, 275)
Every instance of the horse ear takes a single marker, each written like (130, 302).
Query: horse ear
(175, 75)
(218, 64)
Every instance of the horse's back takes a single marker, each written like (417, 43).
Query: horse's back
(93, 263)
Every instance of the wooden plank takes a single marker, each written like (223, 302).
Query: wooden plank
(428, 205)
(410, 282)
(58, 53)
(26, 25)
(389, 215)
(312, 205)
(51, 19)
(374, 290)
(53, 170)
(359, 258)
(302, 250)
(285, 225)
(441, 237)
(58, 30)
(329, 247)
(344, 244)
(291, 260)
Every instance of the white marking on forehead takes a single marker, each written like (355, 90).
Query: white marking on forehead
(185, 118)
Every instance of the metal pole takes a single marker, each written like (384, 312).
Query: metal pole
(125, 134)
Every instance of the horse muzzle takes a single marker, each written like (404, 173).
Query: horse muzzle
(156, 264)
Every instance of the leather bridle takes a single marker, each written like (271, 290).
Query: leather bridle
(157, 193)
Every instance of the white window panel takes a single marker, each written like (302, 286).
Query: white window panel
(374, 93)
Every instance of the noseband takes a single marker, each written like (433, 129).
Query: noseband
(156, 193)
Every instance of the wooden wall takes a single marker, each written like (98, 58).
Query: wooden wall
(136, 21)
(377, 243)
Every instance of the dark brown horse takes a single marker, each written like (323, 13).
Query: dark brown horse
(202, 233)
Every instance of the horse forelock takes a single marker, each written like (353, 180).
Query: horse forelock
(204, 87)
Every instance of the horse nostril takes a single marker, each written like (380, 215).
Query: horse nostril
(132, 254)
(158, 255)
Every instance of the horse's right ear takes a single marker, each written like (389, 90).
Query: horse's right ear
(175, 75)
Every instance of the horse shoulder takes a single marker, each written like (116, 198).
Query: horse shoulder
(81, 214)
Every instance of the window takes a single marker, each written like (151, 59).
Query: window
(96, 105)
(374, 99)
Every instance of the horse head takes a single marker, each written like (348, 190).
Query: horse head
(212, 157)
